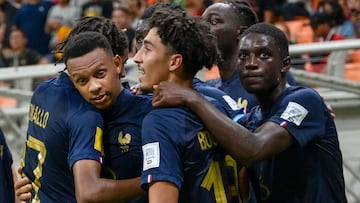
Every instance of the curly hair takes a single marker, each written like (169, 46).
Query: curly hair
(246, 15)
(186, 35)
(116, 38)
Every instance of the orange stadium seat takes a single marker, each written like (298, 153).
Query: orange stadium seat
(352, 66)
(7, 102)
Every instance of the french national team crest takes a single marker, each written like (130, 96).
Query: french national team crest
(294, 113)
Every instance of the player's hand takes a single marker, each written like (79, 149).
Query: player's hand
(135, 89)
(244, 184)
(23, 189)
(332, 113)
(171, 94)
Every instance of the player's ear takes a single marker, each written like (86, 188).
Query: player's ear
(119, 65)
(286, 64)
(175, 61)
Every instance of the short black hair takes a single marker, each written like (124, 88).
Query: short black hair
(246, 15)
(186, 35)
(85, 42)
(268, 29)
(106, 27)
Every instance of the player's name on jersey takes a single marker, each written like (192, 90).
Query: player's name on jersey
(206, 140)
(38, 115)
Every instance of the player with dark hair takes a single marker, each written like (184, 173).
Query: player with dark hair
(181, 161)
(119, 42)
(290, 132)
(228, 19)
(7, 172)
(81, 132)
(143, 28)
(89, 67)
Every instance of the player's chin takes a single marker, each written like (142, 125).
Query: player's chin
(103, 105)
(146, 88)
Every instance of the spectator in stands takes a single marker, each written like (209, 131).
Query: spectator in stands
(18, 54)
(295, 10)
(31, 19)
(61, 18)
(121, 17)
(136, 8)
(8, 173)
(97, 8)
(351, 27)
(10, 11)
(325, 27)
(333, 8)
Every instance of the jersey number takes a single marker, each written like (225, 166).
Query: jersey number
(39, 146)
(213, 178)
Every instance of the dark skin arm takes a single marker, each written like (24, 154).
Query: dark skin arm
(247, 147)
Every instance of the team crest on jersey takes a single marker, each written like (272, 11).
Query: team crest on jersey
(151, 154)
(124, 141)
(294, 113)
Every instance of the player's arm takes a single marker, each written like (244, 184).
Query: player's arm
(90, 187)
(163, 192)
(243, 145)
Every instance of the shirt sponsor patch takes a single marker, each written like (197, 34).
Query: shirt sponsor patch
(232, 103)
(294, 113)
(151, 153)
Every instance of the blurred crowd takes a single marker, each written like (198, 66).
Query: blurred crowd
(30, 29)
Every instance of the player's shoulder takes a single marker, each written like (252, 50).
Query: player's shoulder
(302, 94)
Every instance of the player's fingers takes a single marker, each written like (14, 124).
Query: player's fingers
(244, 184)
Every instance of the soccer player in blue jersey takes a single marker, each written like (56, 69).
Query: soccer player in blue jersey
(228, 19)
(80, 174)
(182, 163)
(7, 172)
(290, 141)
(143, 28)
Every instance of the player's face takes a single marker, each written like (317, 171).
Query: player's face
(260, 63)
(221, 18)
(153, 61)
(96, 76)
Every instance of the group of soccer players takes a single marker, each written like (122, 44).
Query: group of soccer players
(91, 140)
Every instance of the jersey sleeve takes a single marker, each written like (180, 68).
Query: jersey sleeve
(162, 158)
(86, 137)
(303, 114)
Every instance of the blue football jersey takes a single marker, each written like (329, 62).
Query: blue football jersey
(310, 170)
(178, 148)
(122, 139)
(62, 129)
(6, 178)
(227, 103)
(236, 90)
